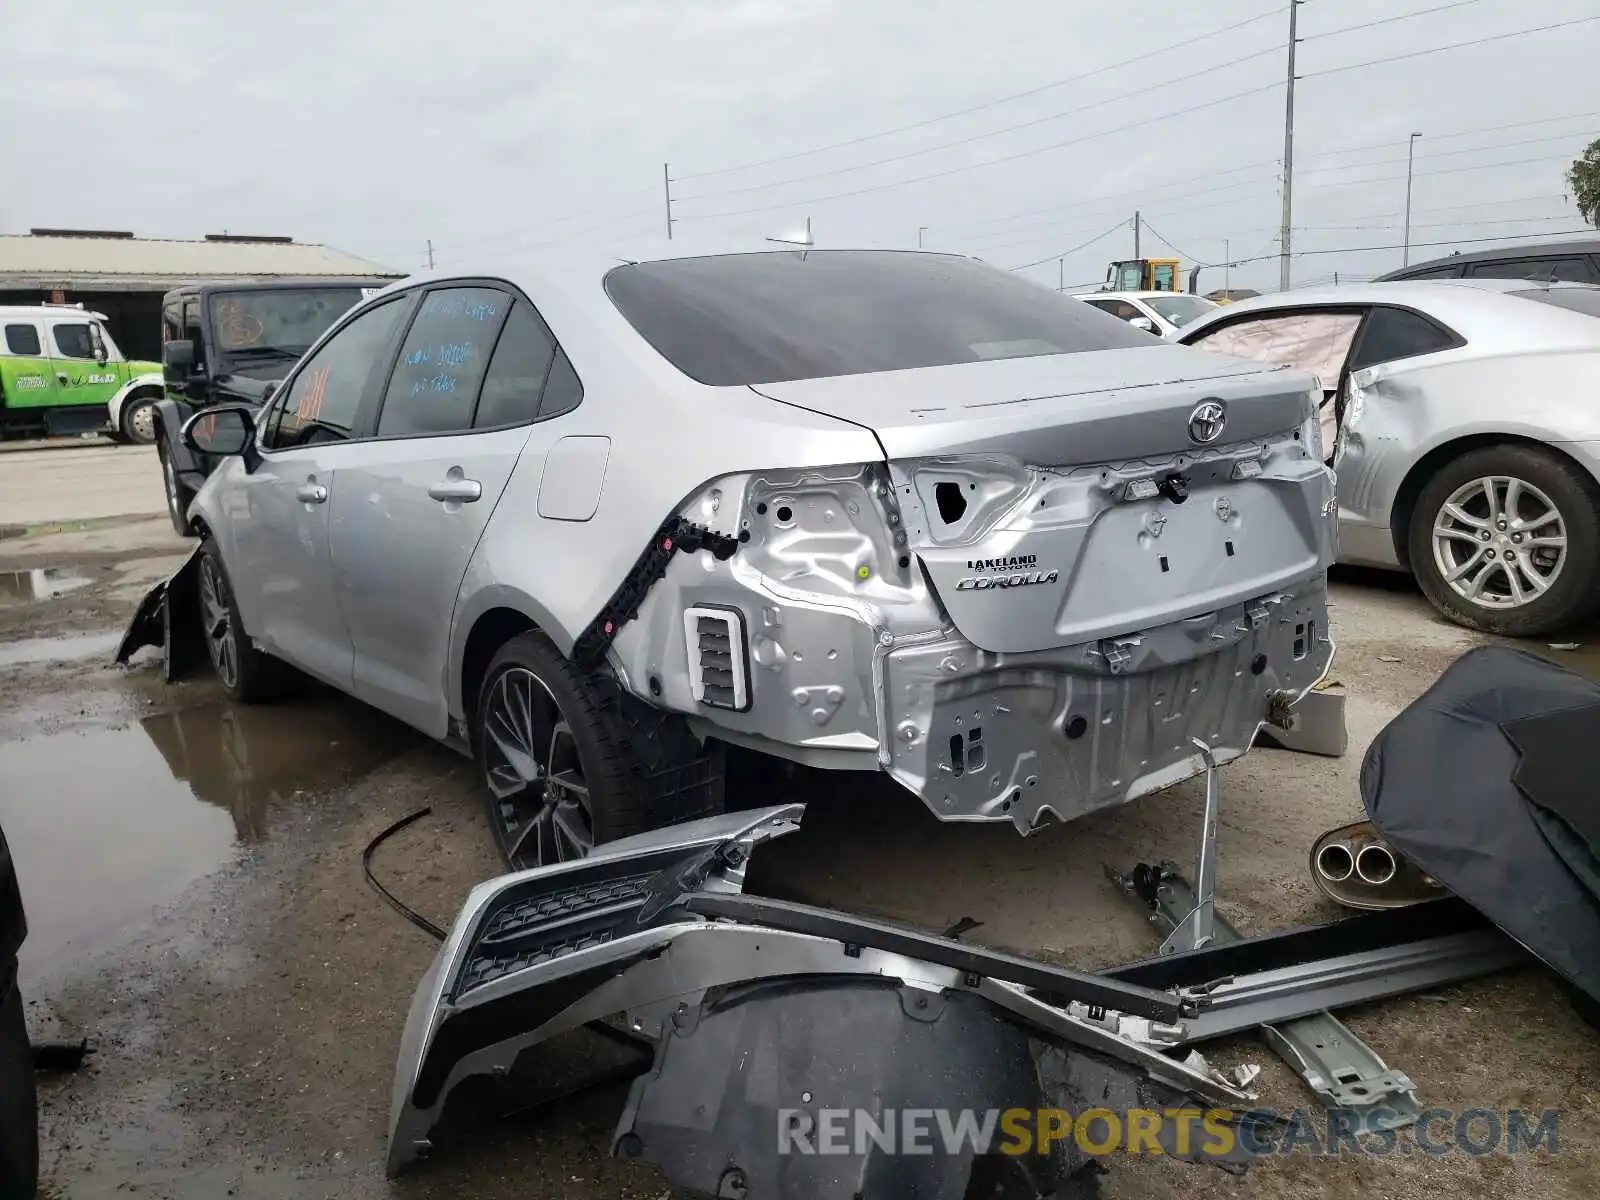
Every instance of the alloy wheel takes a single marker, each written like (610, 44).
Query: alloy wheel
(1499, 542)
(169, 476)
(221, 639)
(541, 796)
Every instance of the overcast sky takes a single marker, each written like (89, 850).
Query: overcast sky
(492, 126)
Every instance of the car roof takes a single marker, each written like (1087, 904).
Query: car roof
(1154, 293)
(1501, 254)
(31, 311)
(1480, 310)
(286, 284)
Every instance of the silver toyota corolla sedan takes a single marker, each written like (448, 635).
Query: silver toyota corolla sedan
(595, 521)
(1463, 420)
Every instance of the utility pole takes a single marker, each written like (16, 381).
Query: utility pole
(1288, 157)
(1227, 269)
(1061, 274)
(666, 183)
(430, 254)
(1136, 233)
(1411, 147)
(921, 229)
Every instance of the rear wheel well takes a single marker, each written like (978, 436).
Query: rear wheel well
(1424, 469)
(489, 632)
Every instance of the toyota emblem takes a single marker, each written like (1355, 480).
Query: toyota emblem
(1207, 422)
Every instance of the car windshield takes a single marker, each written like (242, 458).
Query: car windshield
(1579, 299)
(1178, 308)
(778, 316)
(277, 321)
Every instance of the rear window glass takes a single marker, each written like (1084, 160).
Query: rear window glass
(1578, 299)
(771, 317)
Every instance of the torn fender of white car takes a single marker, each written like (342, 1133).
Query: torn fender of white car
(758, 1018)
(169, 617)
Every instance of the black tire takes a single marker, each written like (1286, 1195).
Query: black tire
(136, 423)
(246, 674)
(19, 1110)
(637, 768)
(1570, 593)
(178, 495)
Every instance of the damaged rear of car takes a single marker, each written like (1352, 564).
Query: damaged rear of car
(765, 1025)
(1081, 552)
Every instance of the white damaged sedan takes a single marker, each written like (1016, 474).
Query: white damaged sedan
(596, 520)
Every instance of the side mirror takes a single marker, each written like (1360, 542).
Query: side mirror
(219, 431)
(1144, 323)
(177, 361)
(97, 338)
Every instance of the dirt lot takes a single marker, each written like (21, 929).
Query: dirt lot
(193, 879)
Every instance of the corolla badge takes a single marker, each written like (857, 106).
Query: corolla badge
(1207, 422)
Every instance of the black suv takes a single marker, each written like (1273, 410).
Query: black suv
(19, 1115)
(1548, 262)
(232, 343)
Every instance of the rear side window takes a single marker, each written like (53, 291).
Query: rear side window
(517, 373)
(441, 364)
(1396, 333)
(770, 317)
(1568, 269)
(23, 340)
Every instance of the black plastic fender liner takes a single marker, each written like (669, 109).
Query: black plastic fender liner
(676, 535)
(169, 617)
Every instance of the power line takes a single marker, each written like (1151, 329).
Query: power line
(976, 166)
(1423, 12)
(1483, 41)
(1099, 237)
(1153, 231)
(1435, 224)
(1414, 245)
(981, 137)
(923, 124)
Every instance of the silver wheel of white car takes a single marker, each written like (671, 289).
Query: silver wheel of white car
(1506, 539)
(246, 674)
(1499, 542)
(535, 772)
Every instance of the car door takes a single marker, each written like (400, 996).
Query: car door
(27, 380)
(277, 511)
(456, 414)
(81, 378)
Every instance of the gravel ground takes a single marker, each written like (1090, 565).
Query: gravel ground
(194, 883)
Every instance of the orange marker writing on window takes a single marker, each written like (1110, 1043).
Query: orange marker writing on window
(309, 407)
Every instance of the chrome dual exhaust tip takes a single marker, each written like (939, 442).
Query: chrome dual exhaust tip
(1335, 863)
(1376, 864)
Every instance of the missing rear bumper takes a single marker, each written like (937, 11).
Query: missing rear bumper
(1060, 733)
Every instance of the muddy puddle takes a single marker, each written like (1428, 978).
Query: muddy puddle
(42, 583)
(107, 825)
(73, 647)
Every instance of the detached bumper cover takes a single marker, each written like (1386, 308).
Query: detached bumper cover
(169, 617)
(759, 1012)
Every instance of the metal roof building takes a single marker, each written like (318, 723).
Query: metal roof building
(97, 261)
(124, 277)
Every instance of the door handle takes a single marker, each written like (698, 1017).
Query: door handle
(312, 493)
(62, 376)
(463, 490)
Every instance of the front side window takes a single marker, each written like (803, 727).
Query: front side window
(23, 340)
(434, 387)
(1395, 333)
(771, 317)
(73, 341)
(324, 400)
